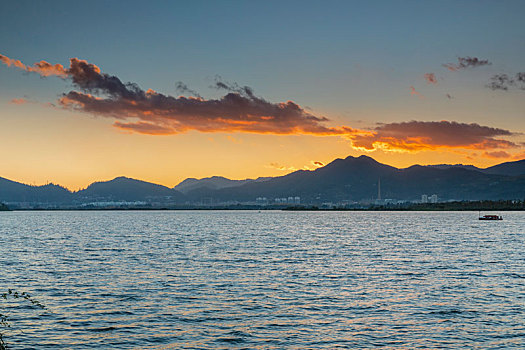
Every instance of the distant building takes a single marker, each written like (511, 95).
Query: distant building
(424, 198)
(261, 200)
(434, 198)
(289, 200)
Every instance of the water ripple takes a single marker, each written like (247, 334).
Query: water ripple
(269, 280)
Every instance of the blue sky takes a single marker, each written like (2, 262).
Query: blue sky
(279, 48)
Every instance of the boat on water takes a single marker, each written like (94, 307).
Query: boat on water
(491, 217)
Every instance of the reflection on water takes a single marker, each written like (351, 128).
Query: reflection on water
(268, 280)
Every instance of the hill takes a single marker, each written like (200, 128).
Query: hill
(12, 191)
(213, 183)
(127, 189)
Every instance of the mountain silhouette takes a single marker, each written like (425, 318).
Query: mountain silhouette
(356, 179)
(127, 189)
(213, 183)
(509, 168)
(350, 179)
(12, 191)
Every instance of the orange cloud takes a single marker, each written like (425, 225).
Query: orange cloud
(159, 114)
(43, 68)
(234, 140)
(414, 92)
(18, 101)
(144, 128)
(430, 78)
(519, 156)
(419, 135)
(282, 167)
(12, 63)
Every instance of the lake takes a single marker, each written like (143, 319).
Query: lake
(263, 280)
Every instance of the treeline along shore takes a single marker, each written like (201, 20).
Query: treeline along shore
(503, 205)
(485, 205)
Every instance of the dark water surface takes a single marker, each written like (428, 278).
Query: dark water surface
(268, 280)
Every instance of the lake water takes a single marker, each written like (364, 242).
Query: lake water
(263, 280)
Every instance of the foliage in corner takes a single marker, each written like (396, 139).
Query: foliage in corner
(4, 319)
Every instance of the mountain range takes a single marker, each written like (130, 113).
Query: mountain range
(352, 179)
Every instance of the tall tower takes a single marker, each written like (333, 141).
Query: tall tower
(379, 189)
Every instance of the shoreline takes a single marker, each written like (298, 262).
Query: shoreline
(485, 205)
(276, 209)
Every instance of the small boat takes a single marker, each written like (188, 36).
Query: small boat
(490, 217)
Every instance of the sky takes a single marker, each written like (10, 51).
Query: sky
(165, 90)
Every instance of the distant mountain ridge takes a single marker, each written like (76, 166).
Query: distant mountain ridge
(448, 166)
(349, 179)
(508, 168)
(214, 183)
(356, 179)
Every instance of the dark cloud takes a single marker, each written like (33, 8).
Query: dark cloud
(466, 62)
(151, 112)
(232, 112)
(88, 77)
(220, 84)
(500, 82)
(420, 135)
(505, 82)
(430, 78)
(184, 89)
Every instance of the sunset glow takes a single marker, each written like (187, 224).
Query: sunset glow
(94, 110)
